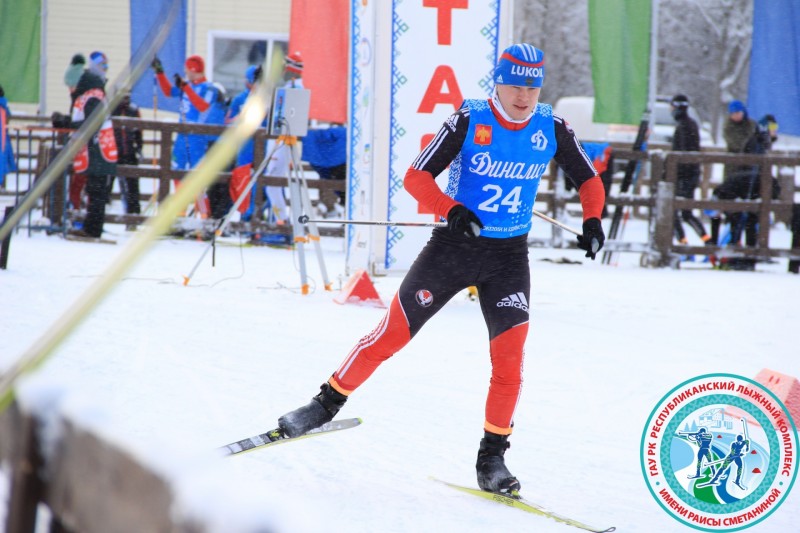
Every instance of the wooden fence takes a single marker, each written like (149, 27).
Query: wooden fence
(651, 198)
(88, 484)
(37, 145)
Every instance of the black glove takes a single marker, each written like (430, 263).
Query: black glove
(593, 237)
(179, 83)
(157, 66)
(463, 222)
(59, 120)
(257, 74)
(2, 92)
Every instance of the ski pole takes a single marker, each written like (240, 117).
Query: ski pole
(225, 221)
(304, 219)
(595, 243)
(557, 223)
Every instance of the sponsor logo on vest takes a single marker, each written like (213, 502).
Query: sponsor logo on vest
(532, 72)
(539, 141)
(483, 165)
(517, 301)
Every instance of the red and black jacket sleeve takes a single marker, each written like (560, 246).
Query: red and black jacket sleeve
(433, 160)
(573, 160)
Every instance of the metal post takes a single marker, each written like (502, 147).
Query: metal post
(298, 231)
(662, 232)
(303, 202)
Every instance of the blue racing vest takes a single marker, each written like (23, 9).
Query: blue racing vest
(190, 113)
(497, 172)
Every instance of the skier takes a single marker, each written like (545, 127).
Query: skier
(734, 456)
(703, 440)
(497, 150)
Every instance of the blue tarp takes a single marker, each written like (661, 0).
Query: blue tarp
(325, 147)
(146, 14)
(775, 63)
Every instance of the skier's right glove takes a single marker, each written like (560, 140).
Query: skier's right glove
(157, 66)
(463, 222)
(2, 92)
(593, 237)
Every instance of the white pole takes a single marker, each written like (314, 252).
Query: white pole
(652, 86)
(43, 60)
(193, 17)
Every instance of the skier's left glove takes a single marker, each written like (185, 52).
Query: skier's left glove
(593, 237)
(179, 83)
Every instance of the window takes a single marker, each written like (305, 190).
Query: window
(232, 52)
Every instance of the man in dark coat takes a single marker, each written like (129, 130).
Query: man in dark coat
(129, 144)
(98, 159)
(686, 139)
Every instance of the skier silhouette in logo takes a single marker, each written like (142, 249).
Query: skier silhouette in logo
(703, 439)
(738, 449)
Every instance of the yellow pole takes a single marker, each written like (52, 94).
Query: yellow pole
(215, 160)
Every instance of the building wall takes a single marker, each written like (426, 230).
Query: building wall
(83, 26)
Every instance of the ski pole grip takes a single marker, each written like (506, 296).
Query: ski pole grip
(595, 245)
(476, 229)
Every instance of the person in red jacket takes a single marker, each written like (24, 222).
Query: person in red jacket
(497, 150)
(197, 95)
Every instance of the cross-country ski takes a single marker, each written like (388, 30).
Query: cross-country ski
(518, 502)
(273, 437)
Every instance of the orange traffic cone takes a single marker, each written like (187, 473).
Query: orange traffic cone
(359, 290)
(785, 387)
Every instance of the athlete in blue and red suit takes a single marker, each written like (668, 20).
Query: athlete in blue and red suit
(497, 150)
(197, 95)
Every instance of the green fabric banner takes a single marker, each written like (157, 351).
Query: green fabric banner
(619, 39)
(20, 43)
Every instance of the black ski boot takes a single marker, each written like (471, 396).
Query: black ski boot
(321, 409)
(493, 476)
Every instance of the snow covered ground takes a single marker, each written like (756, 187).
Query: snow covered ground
(173, 372)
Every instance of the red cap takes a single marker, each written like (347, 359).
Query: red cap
(294, 63)
(195, 64)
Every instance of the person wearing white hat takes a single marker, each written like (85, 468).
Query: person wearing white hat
(497, 149)
(280, 161)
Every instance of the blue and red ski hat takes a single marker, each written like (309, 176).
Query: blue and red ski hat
(250, 74)
(736, 106)
(100, 59)
(520, 64)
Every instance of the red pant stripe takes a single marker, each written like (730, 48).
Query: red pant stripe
(391, 334)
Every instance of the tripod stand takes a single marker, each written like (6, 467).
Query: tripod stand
(300, 203)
